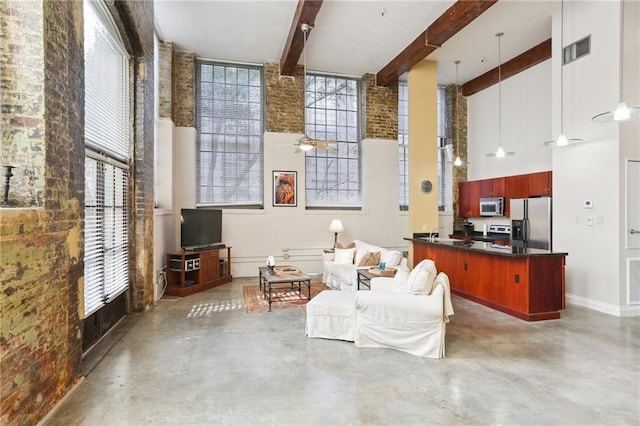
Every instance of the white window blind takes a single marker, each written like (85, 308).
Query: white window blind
(106, 232)
(107, 137)
(333, 113)
(229, 135)
(403, 144)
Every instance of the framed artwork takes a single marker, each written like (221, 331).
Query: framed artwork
(284, 188)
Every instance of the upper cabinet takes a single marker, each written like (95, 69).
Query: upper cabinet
(492, 187)
(540, 184)
(518, 186)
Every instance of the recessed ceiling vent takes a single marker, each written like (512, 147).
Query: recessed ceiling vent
(577, 50)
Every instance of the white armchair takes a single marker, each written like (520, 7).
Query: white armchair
(408, 312)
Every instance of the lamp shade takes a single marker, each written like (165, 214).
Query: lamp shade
(336, 226)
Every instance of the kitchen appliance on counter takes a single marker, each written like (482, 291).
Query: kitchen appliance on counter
(531, 222)
(468, 229)
(492, 206)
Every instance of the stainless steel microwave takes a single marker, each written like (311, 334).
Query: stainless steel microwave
(492, 206)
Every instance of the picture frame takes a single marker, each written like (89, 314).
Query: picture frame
(285, 188)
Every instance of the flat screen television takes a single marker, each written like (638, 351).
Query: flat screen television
(200, 229)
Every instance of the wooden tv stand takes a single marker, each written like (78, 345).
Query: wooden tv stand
(189, 272)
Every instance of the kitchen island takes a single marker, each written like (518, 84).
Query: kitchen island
(524, 282)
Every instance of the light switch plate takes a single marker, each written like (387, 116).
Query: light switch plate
(590, 220)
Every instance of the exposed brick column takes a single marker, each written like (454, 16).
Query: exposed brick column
(42, 247)
(284, 99)
(165, 89)
(457, 104)
(184, 104)
(381, 109)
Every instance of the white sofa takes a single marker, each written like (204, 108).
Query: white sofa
(407, 313)
(339, 271)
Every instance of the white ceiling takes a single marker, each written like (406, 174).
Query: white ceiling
(352, 37)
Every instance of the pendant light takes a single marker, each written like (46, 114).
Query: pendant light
(458, 161)
(622, 111)
(500, 152)
(562, 138)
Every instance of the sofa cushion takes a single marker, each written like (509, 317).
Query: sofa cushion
(421, 278)
(424, 287)
(363, 248)
(344, 256)
(390, 257)
(370, 259)
(352, 244)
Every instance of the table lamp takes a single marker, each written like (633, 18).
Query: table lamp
(336, 227)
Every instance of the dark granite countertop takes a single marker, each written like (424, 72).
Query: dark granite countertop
(486, 247)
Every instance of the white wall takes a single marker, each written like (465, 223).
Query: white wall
(526, 124)
(163, 227)
(301, 233)
(593, 170)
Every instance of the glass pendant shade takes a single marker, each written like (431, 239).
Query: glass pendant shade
(622, 111)
(500, 152)
(458, 161)
(562, 138)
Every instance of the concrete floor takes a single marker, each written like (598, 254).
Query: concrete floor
(202, 360)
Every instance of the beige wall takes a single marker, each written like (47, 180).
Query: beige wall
(423, 162)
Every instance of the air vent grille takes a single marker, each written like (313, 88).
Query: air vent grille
(577, 50)
(633, 281)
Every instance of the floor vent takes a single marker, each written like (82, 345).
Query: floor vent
(577, 50)
(633, 281)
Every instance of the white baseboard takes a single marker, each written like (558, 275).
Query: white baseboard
(607, 308)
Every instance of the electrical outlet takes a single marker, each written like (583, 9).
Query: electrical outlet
(588, 204)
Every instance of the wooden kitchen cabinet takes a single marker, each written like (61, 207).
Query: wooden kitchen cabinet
(464, 202)
(492, 187)
(540, 184)
(475, 191)
(528, 286)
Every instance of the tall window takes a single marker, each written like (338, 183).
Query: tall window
(333, 113)
(403, 144)
(444, 151)
(107, 140)
(229, 135)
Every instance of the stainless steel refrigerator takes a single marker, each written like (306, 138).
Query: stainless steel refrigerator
(531, 222)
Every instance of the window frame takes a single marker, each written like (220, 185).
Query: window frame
(334, 168)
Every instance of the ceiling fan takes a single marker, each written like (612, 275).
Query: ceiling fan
(305, 143)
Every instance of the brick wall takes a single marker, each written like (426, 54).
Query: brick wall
(184, 106)
(22, 118)
(457, 104)
(381, 109)
(165, 89)
(43, 248)
(284, 110)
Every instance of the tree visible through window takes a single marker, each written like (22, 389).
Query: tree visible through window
(333, 113)
(229, 135)
(403, 144)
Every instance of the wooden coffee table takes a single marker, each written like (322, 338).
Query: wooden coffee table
(284, 278)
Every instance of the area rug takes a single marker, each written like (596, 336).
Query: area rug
(282, 299)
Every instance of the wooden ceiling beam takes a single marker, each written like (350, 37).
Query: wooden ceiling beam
(458, 16)
(306, 13)
(531, 57)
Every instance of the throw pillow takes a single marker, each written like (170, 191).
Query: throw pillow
(391, 257)
(352, 244)
(370, 259)
(430, 272)
(344, 256)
